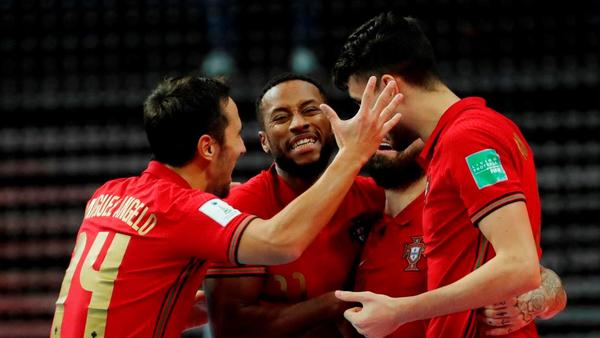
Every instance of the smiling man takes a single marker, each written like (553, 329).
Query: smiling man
(294, 299)
(144, 240)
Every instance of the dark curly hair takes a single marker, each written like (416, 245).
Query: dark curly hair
(387, 43)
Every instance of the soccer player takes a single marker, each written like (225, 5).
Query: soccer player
(295, 299)
(393, 260)
(143, 241)
(481, 219)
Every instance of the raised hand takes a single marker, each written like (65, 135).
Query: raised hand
(362, 134)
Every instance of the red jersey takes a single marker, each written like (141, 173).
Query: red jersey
(327, 262)
(137, 261)
(477, 161)
(393, 261)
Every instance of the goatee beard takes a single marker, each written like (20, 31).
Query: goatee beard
(309, 170)
(395, 173)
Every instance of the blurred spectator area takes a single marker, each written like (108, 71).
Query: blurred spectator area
(74, 74)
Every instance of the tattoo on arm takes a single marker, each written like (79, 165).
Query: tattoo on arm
(556, 294)
(546, 301)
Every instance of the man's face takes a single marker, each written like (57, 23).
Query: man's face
(296, 132)
(227, 153)
(394, 165)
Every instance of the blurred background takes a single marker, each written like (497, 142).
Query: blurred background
(74, 74)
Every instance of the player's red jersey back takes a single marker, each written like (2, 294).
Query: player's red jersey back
(138, 258)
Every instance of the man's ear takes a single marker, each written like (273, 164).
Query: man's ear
(207, 147)
(264, 143)
(386, 78)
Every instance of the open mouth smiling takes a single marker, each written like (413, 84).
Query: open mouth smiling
(301, 141)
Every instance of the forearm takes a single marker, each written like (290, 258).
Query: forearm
(284, 237)
(502, 277)
(281, 320)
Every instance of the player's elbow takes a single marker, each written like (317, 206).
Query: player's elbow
(284, 254)
(527, 274)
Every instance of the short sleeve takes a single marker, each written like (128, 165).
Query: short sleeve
(484, 168)
(251, 199)
(220, 271)
(212, 228)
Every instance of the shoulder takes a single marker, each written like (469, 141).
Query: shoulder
(478, 129)
(256, 187)
(478, 123)
(366, 192)
(365, 184)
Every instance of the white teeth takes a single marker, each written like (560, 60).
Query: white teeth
(303, 142)
(385, 146)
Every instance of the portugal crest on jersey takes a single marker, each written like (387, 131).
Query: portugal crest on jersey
(413, 253)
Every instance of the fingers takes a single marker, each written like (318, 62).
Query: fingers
(352, 314)
(329, 113)
(497, 321)
(499, 331)
(200, 296)
(388, 111)
(349, 296)
(368, 94)
(385, 97)
(390, 124)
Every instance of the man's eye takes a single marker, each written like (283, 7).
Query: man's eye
(278, 118)
(312, 110)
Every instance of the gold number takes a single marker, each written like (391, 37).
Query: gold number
(283, 285)
(302, 281)
(282, 282)
(66, 285)
(99, 282)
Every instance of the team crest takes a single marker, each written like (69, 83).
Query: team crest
(413, 253)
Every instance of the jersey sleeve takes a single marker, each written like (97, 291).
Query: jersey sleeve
(220, 271)
(485, 170)
(212, 229)
(250, 199)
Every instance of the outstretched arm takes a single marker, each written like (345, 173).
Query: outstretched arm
(544, 302)
(236, 310)
(514, 270)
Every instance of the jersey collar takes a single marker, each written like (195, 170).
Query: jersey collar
(161, 171)
(449, 116)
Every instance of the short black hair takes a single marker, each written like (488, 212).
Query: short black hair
(179, 111)
(281, 78)
(387, 43)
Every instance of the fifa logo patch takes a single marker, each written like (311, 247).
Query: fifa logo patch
(486, 168)
(413, 253)
(219, 211)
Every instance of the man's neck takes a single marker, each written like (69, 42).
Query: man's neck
(397, 200)
(427, 107)
(192, 174)
(295, 182)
